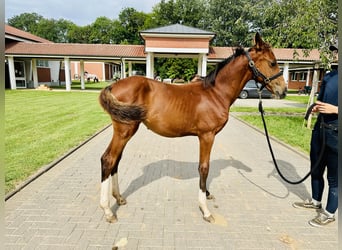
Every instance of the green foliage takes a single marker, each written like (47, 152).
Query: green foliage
(313, 25)
(132, 22)
(186, 12)
(229, 20)
(182, 68)
(101, 31)
(26, 22)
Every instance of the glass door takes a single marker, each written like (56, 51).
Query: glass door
(20, 76)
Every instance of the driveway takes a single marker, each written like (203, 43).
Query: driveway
(159, 177)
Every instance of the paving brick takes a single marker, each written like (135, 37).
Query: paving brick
(159, 178)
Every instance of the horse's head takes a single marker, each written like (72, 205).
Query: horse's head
(265, 67)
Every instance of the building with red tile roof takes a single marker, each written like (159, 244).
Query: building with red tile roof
(67, 61)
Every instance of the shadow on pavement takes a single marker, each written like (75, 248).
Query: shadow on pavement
(179, 170)
(290, 173)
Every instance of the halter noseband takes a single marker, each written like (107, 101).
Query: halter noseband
(257, 73)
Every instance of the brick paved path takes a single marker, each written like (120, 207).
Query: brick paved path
(60, 210)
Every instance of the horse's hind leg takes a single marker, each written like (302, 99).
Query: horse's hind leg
(206, 142)
(109, 166)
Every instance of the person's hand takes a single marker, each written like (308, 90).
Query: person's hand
(325, 108)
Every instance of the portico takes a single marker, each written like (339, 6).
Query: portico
(177, 41)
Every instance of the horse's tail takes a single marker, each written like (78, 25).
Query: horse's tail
(119, 111)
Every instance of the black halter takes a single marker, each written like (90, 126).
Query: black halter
(257, 73)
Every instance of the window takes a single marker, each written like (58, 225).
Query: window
(302, 76)
(299, 76)
(42, 63)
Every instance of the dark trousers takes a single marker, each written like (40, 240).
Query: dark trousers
(328, 161)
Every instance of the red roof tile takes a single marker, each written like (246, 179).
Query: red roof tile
(20, 34)
(42, 47)
(280, 54)
(75, 50)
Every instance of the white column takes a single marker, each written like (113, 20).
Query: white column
(199, 64)
(34, 73)
(130, 73)
(286, 73)
(204, 65)
(11, 70)
(150, 65)
(76, 68)
(308, 78)
(82, 74)
(103, 72)
(123, 69)
(67, 74)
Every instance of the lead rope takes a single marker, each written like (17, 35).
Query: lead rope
(261, 110)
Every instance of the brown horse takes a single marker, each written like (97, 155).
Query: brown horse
(200, 108)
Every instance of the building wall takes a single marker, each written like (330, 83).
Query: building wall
(163, 42)
(95, 68)
(297, 83)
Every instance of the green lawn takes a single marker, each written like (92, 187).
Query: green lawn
(288, 129)
(76, 85)
(285, 124)
(40, 126)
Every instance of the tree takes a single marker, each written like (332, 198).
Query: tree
(312, 26)
(26, 22)
(229, 20)
(186, 12)
(183, 68)
(54, 30)
(101, 31)
(132, 22)
(50, 29)
(77, 34)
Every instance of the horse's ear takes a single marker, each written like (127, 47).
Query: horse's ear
(259, 43)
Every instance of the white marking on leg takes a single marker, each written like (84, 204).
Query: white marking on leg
(203, 203)
(104, 202)
(115, 186)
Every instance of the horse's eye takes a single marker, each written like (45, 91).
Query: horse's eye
(273, 64)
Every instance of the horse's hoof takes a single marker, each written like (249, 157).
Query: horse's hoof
(209, 219)
(121, 201)
(210, 197)
(111, 218)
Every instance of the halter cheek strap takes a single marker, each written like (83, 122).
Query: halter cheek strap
(257, 73)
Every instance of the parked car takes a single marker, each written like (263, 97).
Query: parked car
(251, 91)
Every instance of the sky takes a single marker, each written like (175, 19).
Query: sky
(80, 12)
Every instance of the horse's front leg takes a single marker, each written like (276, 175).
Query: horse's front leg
(206, 142)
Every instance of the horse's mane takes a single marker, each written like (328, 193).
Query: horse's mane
(209, 80)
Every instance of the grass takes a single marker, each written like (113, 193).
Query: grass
(40, 126)
(299, 98)
(76, 85)
(285, 124)
(288, 129)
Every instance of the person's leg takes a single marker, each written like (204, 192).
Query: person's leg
(327, 216)
(317, 168)
(332, 172)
